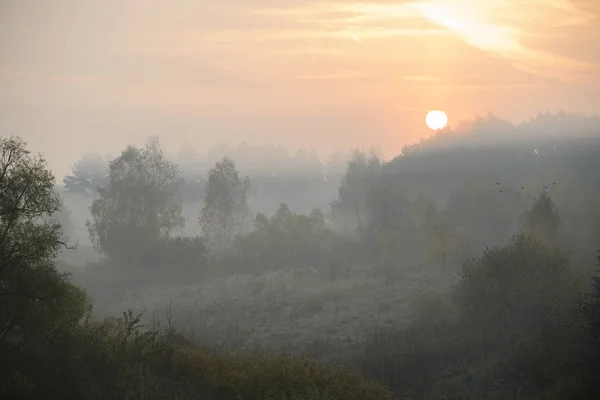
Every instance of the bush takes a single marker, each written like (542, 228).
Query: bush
(312, 394)
(285, 240)
(118, 359)
(177, 259)
(259, 378)
(511, 330)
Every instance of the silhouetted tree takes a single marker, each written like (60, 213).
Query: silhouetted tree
(37, 302)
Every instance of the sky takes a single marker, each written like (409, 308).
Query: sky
(84, 75)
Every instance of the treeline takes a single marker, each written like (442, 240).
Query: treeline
(136, 221)
(299, 179)
(136, 224)
(384, 214)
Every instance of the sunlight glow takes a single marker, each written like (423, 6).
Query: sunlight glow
(510, 29)
(471, 24)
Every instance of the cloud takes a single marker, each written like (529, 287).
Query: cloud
(475, 23)
(271, 35)
(505, 29)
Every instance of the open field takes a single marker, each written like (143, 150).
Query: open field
(300, 310)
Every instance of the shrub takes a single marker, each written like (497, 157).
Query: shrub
(311, 394)
(118, 359)
(257, 378)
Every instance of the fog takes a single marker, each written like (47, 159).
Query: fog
(304, 180)
(246, 201)
(352, 258)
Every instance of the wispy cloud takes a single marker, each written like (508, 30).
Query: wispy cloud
(324, 32)
(474, 23)
(502, 28)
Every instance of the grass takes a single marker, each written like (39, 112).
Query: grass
(288, 310)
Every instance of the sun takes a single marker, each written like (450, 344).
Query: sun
(436, 119)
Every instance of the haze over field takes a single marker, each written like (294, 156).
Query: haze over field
(300, 200)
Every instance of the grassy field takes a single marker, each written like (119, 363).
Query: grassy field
(296, 311)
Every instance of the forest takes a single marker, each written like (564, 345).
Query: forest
(467, 267)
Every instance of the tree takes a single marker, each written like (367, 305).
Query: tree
(350, 208)
(389, 229)
(140, 205)
(594, 314)
(590, 310)
(542, 220)
(225, 214)
(37, 302)
(446, 241)
(286, 239)
(87, 174)
(387, 206)
(478, 205)
(62, 217)
(522, 294)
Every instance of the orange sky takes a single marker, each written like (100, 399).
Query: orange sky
(85, 75)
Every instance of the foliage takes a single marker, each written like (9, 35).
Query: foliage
(90, 172)
(510, 292)
(349, 209)
(542, 220)
(590, 310)
(51, 347)
(283, 377)
(140, 205)
(594, 309)
(387, 206)
(286, 239)
(225, 213)
(118, 359)
(176, 259)
(487, 212)
(512, 328)
(38, 305)
(447, 241)
(311, 394)
(62, 217)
